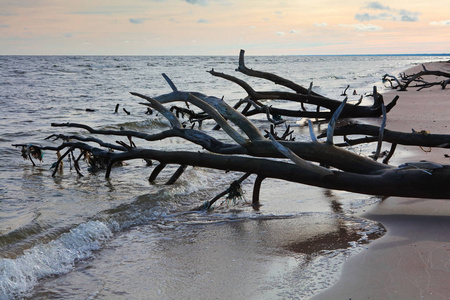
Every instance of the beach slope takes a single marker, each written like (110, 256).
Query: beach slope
(412, 261)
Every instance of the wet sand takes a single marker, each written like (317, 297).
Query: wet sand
(292, 249)
(412, 261)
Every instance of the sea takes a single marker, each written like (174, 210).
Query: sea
(88, 237)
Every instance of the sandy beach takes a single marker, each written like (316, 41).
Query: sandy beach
(412, 261)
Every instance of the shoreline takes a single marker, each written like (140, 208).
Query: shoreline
(412, 260)
(293, 248)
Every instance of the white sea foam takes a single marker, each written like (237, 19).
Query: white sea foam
(18, 276)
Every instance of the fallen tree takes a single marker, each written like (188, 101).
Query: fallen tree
(406, 80)
(319, 106)
(249, 151)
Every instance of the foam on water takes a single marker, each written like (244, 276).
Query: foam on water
(18, 276)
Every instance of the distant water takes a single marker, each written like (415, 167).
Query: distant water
(92, 238)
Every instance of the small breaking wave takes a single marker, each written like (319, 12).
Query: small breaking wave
(19, 276)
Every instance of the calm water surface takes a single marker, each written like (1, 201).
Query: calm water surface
(72, 237)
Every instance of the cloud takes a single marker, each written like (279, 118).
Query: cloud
(293, 31)
(440, 23)
(203, 21)
(320, 24)
(280, 33)
(138, 20)
(4, 26)
(23, 3)
(362, 27)
(401, 15)
(368, 27)
(368, 17)
(106, 13)
(409, 16)
(204, 2)
(109, 10)
(68, 35)
(199, 2)
(376, 5)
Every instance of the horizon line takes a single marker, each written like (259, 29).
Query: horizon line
(168, 55)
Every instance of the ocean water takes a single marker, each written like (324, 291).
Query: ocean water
(72, 237)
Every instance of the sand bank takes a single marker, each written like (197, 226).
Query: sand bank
(412, 261)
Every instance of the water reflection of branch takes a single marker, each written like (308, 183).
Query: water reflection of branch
(330, 241)
(336, 205)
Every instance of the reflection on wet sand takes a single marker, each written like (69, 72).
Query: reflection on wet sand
(232, 252)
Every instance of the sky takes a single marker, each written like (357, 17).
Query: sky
(223, 27)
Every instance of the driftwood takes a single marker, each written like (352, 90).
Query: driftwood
(319, 106)
(249, 151)
(406, 80)
(372, 133)
(302, 96)
(414, 138)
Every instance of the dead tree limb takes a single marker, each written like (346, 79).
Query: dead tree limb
(416, 138)
(176, 175)
(407, 80)
(272, 77)
(350, 110)
(233, 191)
(332, 124)
(405, 182)
(383, 125)
(256, 190)
(195, 136)
(156, 172)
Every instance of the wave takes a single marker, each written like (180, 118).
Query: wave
(19, 276)
(21, 273)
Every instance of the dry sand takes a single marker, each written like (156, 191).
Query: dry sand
(412, 261)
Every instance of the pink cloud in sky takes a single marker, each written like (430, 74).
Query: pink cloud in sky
(222, 27)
